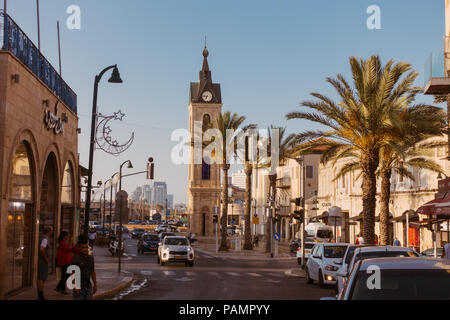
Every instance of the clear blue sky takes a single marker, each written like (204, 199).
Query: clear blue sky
(267, 55)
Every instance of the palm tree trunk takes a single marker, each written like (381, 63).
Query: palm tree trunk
(369, 165)
(273, 182)
(224, 219)
(248, 245)
(384, 207)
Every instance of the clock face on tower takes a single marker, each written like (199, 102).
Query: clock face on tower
(207, 96)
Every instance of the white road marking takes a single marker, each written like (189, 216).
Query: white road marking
(184, 279)
(146, 273)
(169, 273)
(254, 275)
(234, 274)
(275, 275)
(272, 281)
(189, 273)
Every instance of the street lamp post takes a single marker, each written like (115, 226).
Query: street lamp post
(130, 166)
(110, 202)
(115, 78)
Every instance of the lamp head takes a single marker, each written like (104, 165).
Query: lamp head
(130, 165)
(115, 76)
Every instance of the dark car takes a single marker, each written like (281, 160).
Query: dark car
(162, 235)
(137, 233)
(148, 243)
(293, 246)
(429, 253)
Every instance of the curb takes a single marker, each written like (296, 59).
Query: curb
(115, 290)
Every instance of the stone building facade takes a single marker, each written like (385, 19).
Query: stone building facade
(406, 197)
(39, 180)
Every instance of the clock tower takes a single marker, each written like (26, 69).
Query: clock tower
(205, 103)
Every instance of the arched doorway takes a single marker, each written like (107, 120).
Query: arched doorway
(49, 205)
(205, 218)
(19, 230)
(67, 199)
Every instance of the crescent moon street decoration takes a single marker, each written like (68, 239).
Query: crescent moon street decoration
(103, 138)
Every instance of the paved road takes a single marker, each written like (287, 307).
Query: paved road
(214, 279)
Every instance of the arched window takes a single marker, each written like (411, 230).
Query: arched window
(67, 185)
(206, 170)
(206, 122)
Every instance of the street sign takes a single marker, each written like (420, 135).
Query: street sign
(168, 212)
(276, 236)
(256, 220)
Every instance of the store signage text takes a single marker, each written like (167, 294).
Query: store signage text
(52, 121)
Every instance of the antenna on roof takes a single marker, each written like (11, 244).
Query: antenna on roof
(205, 41)
(38, 25)
(59, 49)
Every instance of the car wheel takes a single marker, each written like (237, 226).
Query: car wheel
(157, 259)
(191, 263)
(321, 283)
(336, 288)
(299, 260)
(162, 264)
(308, 278)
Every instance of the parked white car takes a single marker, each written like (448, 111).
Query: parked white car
(175, 249)
(309, 245)
(368, 252)
(324, 261)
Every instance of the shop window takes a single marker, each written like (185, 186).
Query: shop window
(206, 171)
(309, 172)
(67, 185)
(20, 186)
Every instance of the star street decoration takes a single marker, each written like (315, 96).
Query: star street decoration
(103, 134)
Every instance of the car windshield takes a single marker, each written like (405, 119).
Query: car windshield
(404, 285)
(325, 234)
(334, 251)
(176, 242)
(151, 237)
(381, 254)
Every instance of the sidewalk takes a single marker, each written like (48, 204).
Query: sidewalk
(109, 281)
(208, 245)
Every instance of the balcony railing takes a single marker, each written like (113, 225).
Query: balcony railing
(13, 39)
(284, 182)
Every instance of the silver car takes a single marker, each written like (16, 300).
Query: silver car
(399, 279)
(175, 249)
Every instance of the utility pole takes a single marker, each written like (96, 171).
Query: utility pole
(166, 210)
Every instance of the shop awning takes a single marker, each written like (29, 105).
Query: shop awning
(412, 216)
(359, 217)
(438, 206)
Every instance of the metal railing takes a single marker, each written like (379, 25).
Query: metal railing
(13, 39)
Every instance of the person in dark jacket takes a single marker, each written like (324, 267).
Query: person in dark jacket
(63, 259)
(43, 261)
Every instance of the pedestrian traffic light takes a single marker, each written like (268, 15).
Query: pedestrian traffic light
(299, 215)
(215, 218)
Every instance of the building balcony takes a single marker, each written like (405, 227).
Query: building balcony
(14, 40)
(284, 183)
(437, 71)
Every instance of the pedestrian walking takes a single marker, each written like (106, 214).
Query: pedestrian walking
(360, 240)
(43, 262)
(76, 247)
(63, 259)
(397, 243)
(92, 237)
(87, 267)
(446, 251)
(357, 239)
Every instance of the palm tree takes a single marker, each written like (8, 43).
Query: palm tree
(226, 121)
(358, 125)
(283, 153)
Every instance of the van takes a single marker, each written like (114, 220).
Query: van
(318, 231)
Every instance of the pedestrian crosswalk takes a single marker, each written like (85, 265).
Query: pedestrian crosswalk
(181, 274)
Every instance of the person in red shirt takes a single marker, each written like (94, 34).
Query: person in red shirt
(63, 259)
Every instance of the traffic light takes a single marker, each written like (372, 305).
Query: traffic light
(298, 202)
(150, 171)
(215, 218)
